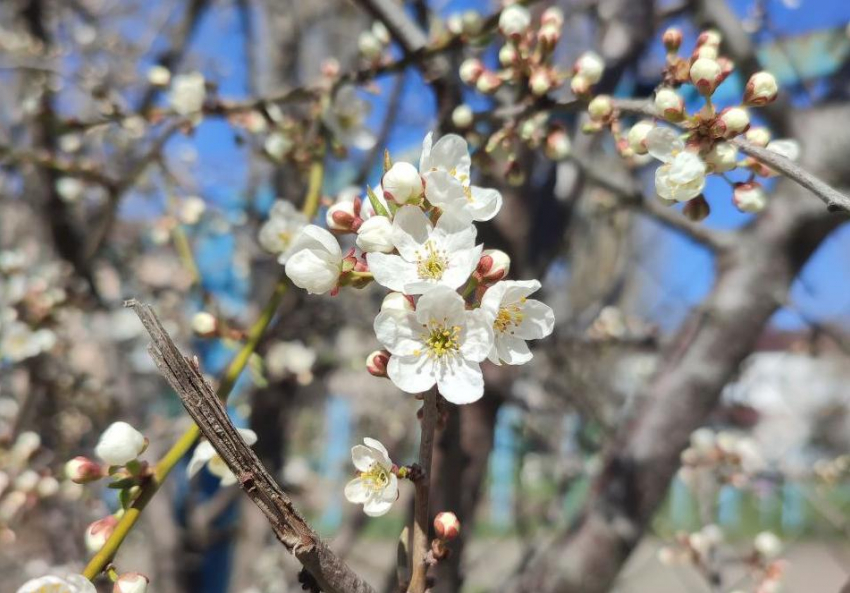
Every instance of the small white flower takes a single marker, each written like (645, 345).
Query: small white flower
(402, 183)
(120, 444)
(73, 583)
(462, 116)
(342, 216)
(159, 75)
(18, 342)
(346, 119)
(204, 323)
(445, 168)
(733, 121)
(767, 544)
(205, 454)
(758, 135)
(440, 343)
(315, 262)
(514, 20)
(376, 488)
(470, 70)
(375, 235)
(192, 209)
(637, 135)
(187, 93)
(589, 67)
(290, 358)
(682, 176)
(722, 157)
(70, 189)
(600, 108)
(99, 532)
(558, 145)
(278, 232)
(515, 319)
(429, 256)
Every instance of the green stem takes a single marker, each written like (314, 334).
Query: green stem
(164, 466)
(314, 183)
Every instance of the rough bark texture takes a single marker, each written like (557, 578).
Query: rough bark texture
(199, 399)
(753, 278)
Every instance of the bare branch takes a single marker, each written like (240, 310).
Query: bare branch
(421, 512)
(199, 399)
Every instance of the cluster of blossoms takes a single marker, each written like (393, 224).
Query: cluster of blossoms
(701, 549)
(727, 457)
(700, 145)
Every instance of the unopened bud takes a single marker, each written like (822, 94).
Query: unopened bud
(558, 145)
(375, 235)
(541, 82)
(446, 526)
(370, 46)
(580, 85)
(552, 16)
(514, 21)
(600, 108)
(759, 136)
(548, 36)
(470, 70)
(472, 22)
(706, 75)
(396, 301)
(767, 544)
(131, 582)
(98, 532)
(159, 75)
(761, 89)
(83, 470)
(343, 217)
(462, 116)
(749, 197)
(493, 265)
(376, 363)
(204, 324)
(709, 52)
(669, 105)
(120, 443)
(697, 209)
(710, 37)
(590, 66)
(508, 55)
(732, 122)
(637, 136)
(488, 82)
(47, 486)
(722, 157)
(402, 183)
(672, 39)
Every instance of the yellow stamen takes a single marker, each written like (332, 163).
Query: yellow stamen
(440, 339)
(432, 263)
(508, 316)
(376, 478)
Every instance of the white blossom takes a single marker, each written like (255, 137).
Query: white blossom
(205, 454)
(18, 341)
(515, 319)
(204, 323)
(445, 167)
(681, 177)
(429, 256)
(589, 67)
(74, 583)
(767, 544)
(402, 183)
(375, 235)
(346, 119)
(514, 20)
(376, 486)
(187, 93)
(290, 358)
(191, 210)
(440, 343)
(120, 443)
(722, 157)
(277, 233)
(315, 260)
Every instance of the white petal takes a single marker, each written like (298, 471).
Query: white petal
(444, 190)
(453, 234)
(538, 321)
(491, 302)
(516, 290)
(441, 304)
(398, 331)
(375, 507)
(451, 153)
(356, 491)
(228, 478)
(461, 265)
(248, 435)
(411, 229)
(390, 492)
(485, 204)
(391, 271)
(412, 374)
(477, 336)
(512, 350)
(379, 452)
(316, 238)
(662, 142)
(425, 158)
(308, 270)
(202, 454)
(362, 457)
(460, 381)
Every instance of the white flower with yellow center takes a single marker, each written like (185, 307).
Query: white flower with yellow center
(73, 583)
(278, 232)
(681, 177)
(445, 168)
(205, 454)
(444, 254)
(439, 343)
(376, 486)
(515, 319)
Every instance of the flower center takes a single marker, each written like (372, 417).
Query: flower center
(441, 340)
(53, 588)
(432, 263)
(377, 478)
(508, 316)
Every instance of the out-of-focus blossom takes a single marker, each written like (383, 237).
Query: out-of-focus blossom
(205, 455)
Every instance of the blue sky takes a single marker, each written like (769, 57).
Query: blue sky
(677, 276)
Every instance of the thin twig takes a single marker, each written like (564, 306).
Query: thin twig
(421, 511)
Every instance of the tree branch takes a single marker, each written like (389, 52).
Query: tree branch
(421, 514)
(208, 412)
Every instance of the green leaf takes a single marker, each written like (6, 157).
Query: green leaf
(376, 203)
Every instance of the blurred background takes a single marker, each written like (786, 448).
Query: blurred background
(104, 198)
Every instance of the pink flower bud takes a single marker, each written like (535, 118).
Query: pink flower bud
(672, 39)
(731, 122)
(446, 526)
(98, 532)
(344, 217)
(552, 16)
(83, 470)
(376, 363)
(548, 36)
(131, 582)
(514, 21)
(669, 105)
(508, 55)
(706, 75)
(493, 266)
(749, 197)
(488, 82)
(710, 37)
(558, 145)
(580, 85)
(601, 108)
(637, 136)
(759, 136)
(761, 89)
(470, 70)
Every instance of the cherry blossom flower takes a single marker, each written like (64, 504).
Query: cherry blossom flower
(187, 93)
(205, 454)
(375, 235)
(430, 256)
(120, 444)
(440, 343)
(277, 233)
(515, 319)
(445, 167)
(681, 177)
(315, 261)
(376, 486)
(346, 118)
(74, 583)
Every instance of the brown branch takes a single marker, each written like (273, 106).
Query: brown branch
(199, 399)
(421, 512)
